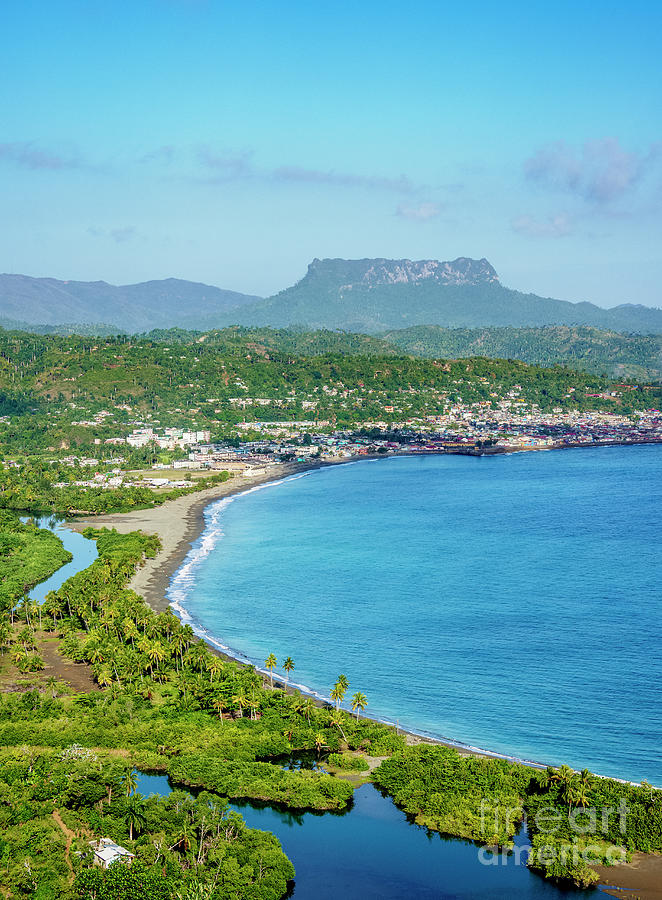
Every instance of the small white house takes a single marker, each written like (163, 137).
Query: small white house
(106, 851)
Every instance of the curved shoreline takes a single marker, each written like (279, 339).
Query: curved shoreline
(181, 523)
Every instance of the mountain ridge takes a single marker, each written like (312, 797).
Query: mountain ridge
(130, 307)
(375, 295)
(370, 295)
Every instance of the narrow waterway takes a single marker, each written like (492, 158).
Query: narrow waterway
(83, 551)
(374, 852)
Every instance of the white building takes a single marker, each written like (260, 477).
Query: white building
(106, 851)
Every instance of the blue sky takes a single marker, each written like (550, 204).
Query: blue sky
(233, 142)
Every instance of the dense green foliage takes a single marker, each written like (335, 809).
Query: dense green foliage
(588, 349)
(165, 703)
(304, 789)
(58, 385)
(349, 761)
(444, 790)
(53, 803)
(28, 555)
(569, 814)
(32, 485)
(580, 347)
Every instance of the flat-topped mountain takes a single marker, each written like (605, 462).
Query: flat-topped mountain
(361, 295)
(130, 307)
(375, 272)
(373, 295)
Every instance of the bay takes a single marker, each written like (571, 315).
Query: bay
(510, 603)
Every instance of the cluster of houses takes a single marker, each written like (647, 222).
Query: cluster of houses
(512, 425)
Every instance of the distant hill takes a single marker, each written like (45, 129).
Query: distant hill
(130, 308)
(589, 349)
(617, 355)
(360, 296)
(373, 295)
(83, 328)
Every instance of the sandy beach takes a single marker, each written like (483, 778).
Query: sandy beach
(178, 524)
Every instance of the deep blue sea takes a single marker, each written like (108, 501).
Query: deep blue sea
(511, 603)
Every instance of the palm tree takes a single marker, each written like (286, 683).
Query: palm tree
(178, 644)
(240, 700)
(336, 721)
(320, 741)
(568, 780)
(135, 815)
(183, 841)
(305, 706)
(549, 777)
(18, 655)
(130, 630)
(270, 663)
(359, 702)
(288, 665)
(156, 654)
(339, 690)
(104, 676)
(253, 704)
(337, 695)
(197, 656)
(219, 706)
(129, 782)
(580, 795)
(215, 666)
(96, 654)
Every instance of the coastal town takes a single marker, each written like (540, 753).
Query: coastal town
(183, 455)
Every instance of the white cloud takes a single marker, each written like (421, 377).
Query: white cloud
(600, 172)
(421, 213)
(555, 226)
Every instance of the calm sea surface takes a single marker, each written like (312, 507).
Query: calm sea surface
(510, 603)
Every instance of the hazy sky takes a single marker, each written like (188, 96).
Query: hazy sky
(233, 142)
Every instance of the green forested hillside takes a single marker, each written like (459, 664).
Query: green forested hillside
(51, 386)
(589, 349)
(323, 300)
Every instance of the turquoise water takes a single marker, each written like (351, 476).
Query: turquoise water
(373, 851)
(84, 553)
(510, 603)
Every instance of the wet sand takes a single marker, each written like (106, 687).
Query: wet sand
(178, 524)
(640, 879)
